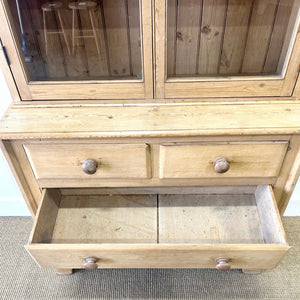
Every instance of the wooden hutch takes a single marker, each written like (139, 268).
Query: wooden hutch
(153, 133)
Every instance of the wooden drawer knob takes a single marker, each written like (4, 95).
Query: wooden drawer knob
(223, 264)
(221, 165)
(90, 263)
(89, 166)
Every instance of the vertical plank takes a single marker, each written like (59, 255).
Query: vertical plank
(75, 62)
(135, 37)
(160, 48)
(235, 36)
(36, 69)
(171, 36)
(96, 64)
(54, 58)
(189, 14)
(261, 26)
(147, 46)
(278, 36)
(117, 36)
(212, 29)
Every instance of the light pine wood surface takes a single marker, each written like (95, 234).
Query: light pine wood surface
(206, 230)
(245, 160)
(206, 119)
(114, 160)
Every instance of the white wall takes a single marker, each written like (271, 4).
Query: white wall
(11, 200)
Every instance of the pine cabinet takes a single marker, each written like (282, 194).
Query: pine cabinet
(153, 134)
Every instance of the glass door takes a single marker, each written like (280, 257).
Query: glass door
(70, 49)
(227, 48)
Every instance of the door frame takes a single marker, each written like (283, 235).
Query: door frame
(77, 90)
(215, 87)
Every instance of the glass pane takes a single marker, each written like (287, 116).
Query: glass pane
(229, 37)
(81, 40)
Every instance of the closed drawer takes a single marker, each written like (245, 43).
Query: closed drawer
(68, 161)
(241, 160)
(159, 231)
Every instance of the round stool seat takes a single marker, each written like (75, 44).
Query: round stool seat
(49, 6)
(83, 5)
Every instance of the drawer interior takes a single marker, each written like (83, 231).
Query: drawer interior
(218, 215)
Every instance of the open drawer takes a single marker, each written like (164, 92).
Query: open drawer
(223, 227)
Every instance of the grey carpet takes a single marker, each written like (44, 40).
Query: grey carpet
(21, 278)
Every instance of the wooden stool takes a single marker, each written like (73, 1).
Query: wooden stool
(89, 6)
(53, 7)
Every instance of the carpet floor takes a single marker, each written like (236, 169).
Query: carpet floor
(21, 278)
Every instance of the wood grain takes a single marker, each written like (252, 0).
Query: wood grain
(157, 256)
(125, 219)
(235, 36)
(271, 224)
(22, 172)
(189, 13)
(289, 175)
(246, 160)
(62, 253)
(95, 121)
(278, 36)
(114, 161)
(209, 219)
(46, 217)
(259, 35)
(117, 37)
(212, 35)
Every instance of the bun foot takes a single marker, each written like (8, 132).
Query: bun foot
(64, 271)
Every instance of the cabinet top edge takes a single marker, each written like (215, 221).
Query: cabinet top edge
(157, 120)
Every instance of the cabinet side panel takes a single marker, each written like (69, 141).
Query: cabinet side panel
(17, 160)
(289, 175)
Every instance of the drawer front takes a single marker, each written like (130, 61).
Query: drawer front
(66, 161)
(157, 256)
(243, 159)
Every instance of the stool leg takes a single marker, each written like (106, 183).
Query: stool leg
(63, 31)
(92, 18)
(45, 32)
(73, 32)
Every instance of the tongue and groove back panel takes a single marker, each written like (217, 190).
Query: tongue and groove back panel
(48, 36)
(204, 38)
(227, 37)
